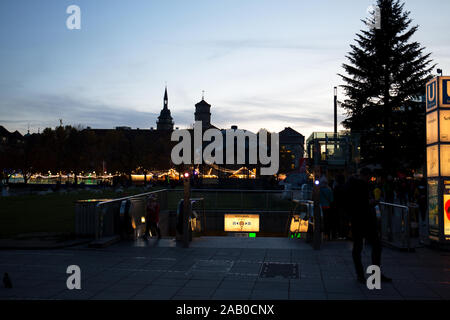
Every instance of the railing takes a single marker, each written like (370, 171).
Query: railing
(105, 216)
(230, 199)
(108, 213)
(396, 225)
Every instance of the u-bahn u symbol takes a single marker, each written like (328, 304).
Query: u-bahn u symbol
(431, 94)
(445, 92)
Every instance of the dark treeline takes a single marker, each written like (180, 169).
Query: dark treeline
(68, 149)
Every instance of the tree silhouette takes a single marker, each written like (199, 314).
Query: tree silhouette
(385, 83)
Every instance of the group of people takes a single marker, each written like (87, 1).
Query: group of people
(336, 197)
(349, 211)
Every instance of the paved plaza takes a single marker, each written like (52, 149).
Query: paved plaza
(220, 268)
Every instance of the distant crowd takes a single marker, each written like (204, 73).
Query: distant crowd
(335, 200)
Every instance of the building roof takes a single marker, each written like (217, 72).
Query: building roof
(203, 103)
(288, 131)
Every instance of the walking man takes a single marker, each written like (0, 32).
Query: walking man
(361, 208)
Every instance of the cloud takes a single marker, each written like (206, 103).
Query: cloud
(227, 46)
(265, 44)
(45, 110)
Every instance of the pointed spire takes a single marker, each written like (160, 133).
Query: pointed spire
(165, 120)
(166, 99)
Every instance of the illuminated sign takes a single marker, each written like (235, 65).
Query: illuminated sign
(432, 161)
(447, 214)
(444, 125)
(444, 91)
(242, 222)
(298, 224)
(445, 160)
(431, 95)
(432, 127)
(433, 208)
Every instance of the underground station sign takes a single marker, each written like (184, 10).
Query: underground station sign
(241, 223)
(438, 157)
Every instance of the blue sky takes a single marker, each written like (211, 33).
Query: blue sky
(262, 63)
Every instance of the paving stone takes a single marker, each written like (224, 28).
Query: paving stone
(269, 295)
(346, 296)
(307, 295)
(196, 283)
(220, 268)
(237, 285)
(309, 285)
(169, 282)
(271, 285)
(192, 291)
(231, 294)
(342, 286)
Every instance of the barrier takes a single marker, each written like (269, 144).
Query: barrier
(306, 212)
(396, 225)
(108, 213)
(105, 216)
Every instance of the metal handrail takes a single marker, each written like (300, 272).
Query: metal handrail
(405, 222)
(394, 205)
(99, 213)
(238, 190)
(130, 197)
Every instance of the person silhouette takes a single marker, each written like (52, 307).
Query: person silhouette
(152, 217)
(361, 209)
(7, 281)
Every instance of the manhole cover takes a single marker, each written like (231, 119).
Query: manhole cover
(284, 270)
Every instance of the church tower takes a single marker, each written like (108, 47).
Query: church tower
(203, 113)
(165, 121)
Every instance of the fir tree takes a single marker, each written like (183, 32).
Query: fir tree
(385, 83)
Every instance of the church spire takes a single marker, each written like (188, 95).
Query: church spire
(165, 120)
(166, 99)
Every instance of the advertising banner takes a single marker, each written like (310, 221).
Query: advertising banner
(432, 127)
(432, 161)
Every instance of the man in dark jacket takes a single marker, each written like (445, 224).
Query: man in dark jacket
(361, 209)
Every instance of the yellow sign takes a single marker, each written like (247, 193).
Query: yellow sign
(447, 214)
(242, 222)
(445, 160)
(432, 127)
(432, 161)
(444, 125)
(298, 224)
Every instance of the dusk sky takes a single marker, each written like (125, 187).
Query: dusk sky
(262, 63)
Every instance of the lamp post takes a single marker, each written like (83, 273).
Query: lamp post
(186, 209)
(335, 112)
